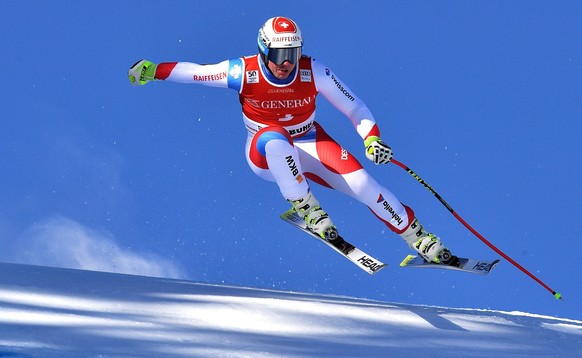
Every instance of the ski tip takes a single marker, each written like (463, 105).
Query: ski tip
(557, 295)
(407, 260)
(371, 272)
(494, 264)
(287, 214)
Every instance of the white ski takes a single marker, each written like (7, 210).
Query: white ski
(361, 259)
(480, 267)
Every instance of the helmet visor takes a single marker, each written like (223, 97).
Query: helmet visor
(279, 55)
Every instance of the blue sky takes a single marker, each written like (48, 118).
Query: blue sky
(481, 98)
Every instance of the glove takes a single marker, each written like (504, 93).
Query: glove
(377, 151)
(142, 72)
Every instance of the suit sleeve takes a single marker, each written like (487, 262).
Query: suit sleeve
(226, 74)
(342, 98)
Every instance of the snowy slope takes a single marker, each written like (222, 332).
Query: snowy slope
(54, 312)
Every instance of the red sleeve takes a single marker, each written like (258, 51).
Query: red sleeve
(375, 131)
(164, 69)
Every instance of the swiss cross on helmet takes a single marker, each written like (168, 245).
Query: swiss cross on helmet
(279, 41)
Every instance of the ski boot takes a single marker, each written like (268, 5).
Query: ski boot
(428, 246)
(315, 217)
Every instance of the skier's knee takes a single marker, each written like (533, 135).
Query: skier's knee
(268, 134)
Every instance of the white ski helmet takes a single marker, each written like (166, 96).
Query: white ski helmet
(279, 41)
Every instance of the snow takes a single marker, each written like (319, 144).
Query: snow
(56, 312)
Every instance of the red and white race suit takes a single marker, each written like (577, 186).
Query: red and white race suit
(285, 144)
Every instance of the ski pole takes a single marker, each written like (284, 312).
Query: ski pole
(557, 295)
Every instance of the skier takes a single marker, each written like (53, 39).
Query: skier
(277, 91)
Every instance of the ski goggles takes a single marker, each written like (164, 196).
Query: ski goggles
(279, 55)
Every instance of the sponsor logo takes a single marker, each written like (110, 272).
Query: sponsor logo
(482, 266)
(206, 78)
(293, 167)
(286, 103)
(285, 38)
(344, 154)
(280, 90)
(305, 75)
(369, 263)
(142, 74)
(342, 88)
(253, 102)
(253, 76)
(296, 131)
(388, 208)
(235, 72)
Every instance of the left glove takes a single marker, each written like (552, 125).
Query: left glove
(142, 72)
(377, 151)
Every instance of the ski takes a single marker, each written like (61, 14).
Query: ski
(480, 267)
(361, 259)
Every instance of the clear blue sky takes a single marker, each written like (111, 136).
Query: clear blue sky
(481, 98)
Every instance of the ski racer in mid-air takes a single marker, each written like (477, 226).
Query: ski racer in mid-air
(277, 91)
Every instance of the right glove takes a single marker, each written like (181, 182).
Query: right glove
(142, 72)
(377, 151)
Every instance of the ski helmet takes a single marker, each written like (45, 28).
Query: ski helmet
(279, 41)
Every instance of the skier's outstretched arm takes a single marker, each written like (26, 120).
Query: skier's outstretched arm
(214, 75)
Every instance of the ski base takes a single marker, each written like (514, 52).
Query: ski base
(358, 257)
(480, 267)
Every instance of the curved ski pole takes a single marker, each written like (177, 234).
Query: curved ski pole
(557, 295)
